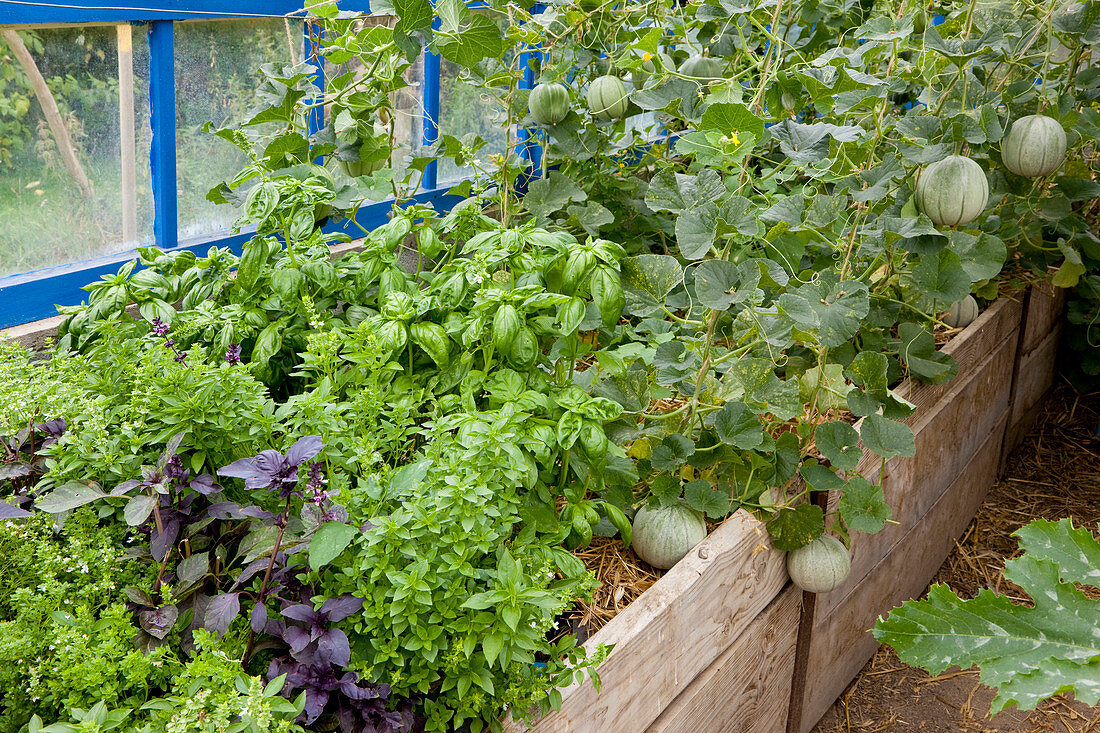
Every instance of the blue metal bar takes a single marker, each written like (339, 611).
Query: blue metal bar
(162, 121)
(315, 118)
(432, 72)
(530, 143)
(34, 295)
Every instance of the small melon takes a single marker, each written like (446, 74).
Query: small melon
(702, 68)
(607, 97)
(952, 191)
(962, 314)
(548, 103)
(820, 566)
(663, 535)
(1035, 146)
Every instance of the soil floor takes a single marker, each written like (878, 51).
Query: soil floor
(1054, 473)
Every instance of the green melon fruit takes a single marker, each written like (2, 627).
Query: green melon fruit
(548, 104)
(607, 98)
(961, 314)
(1034, 146)
(662, 536)
(820, 566)
(953, 191)
(702, 68)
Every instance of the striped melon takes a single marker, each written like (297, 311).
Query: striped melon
(607, 97)
(953, 191)
(1035, 146)
(820, 566)
(663, 535)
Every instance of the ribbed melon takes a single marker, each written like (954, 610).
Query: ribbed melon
(953, 191)
(962, 314)
(662, 536)
(702, 68)
(607, 97)
(820, 566)
(548, 103)
(1035, 146)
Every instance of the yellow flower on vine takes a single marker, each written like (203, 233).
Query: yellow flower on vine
(496, 158)
(647, 56)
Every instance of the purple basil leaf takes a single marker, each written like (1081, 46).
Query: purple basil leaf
(220, 612)
(164, 540)
(258, 620)
(338, 609)
(333, 647)
(8, 511)
(125, 486)
(304, 449)
(15, 470)
(173, 446)
(353, 691)
(315, 704)
(297, 638)
(248, 469)
(251, 569)
(55, 428)
(302, 613)
(205, 485)
(158, 622)
(256, 513)
(225, 510)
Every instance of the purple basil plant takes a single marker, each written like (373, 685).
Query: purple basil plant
(316, 663)
(272, 469)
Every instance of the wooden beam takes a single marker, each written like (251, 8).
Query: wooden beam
(674, 631)
(49, 109)
(746, 688)
(126, 132)
(842, 642)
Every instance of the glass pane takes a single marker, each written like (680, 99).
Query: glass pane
(61, 192)
(465, 108)
(217, 65)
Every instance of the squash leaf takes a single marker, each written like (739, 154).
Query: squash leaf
(1026, 654)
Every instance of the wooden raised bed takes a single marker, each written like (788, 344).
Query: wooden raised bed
(723, 642)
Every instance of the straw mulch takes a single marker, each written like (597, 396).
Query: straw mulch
(1054, 473)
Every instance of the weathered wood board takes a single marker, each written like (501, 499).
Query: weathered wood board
(747, 688)
(1034, 377)
(674, 631)
(841, 641)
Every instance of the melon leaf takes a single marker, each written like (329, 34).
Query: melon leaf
(1026, 654)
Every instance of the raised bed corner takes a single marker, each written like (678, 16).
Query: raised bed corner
(723, 642)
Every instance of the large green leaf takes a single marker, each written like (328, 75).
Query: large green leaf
(863, 506)
(720, 283)
(793, 527)
(647, 279)
(887, 438)
(940, 277)
(1026, 654)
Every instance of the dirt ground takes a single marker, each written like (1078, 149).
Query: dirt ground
(1054, 473)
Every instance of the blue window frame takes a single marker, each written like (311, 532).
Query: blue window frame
(34, 295)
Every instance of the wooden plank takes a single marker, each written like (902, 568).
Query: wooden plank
(1033, 380)
(969, 349)
(947, 436)
(674, 631)
(1044, 313)
(124, 33)
(746, 688)
(841, 642)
